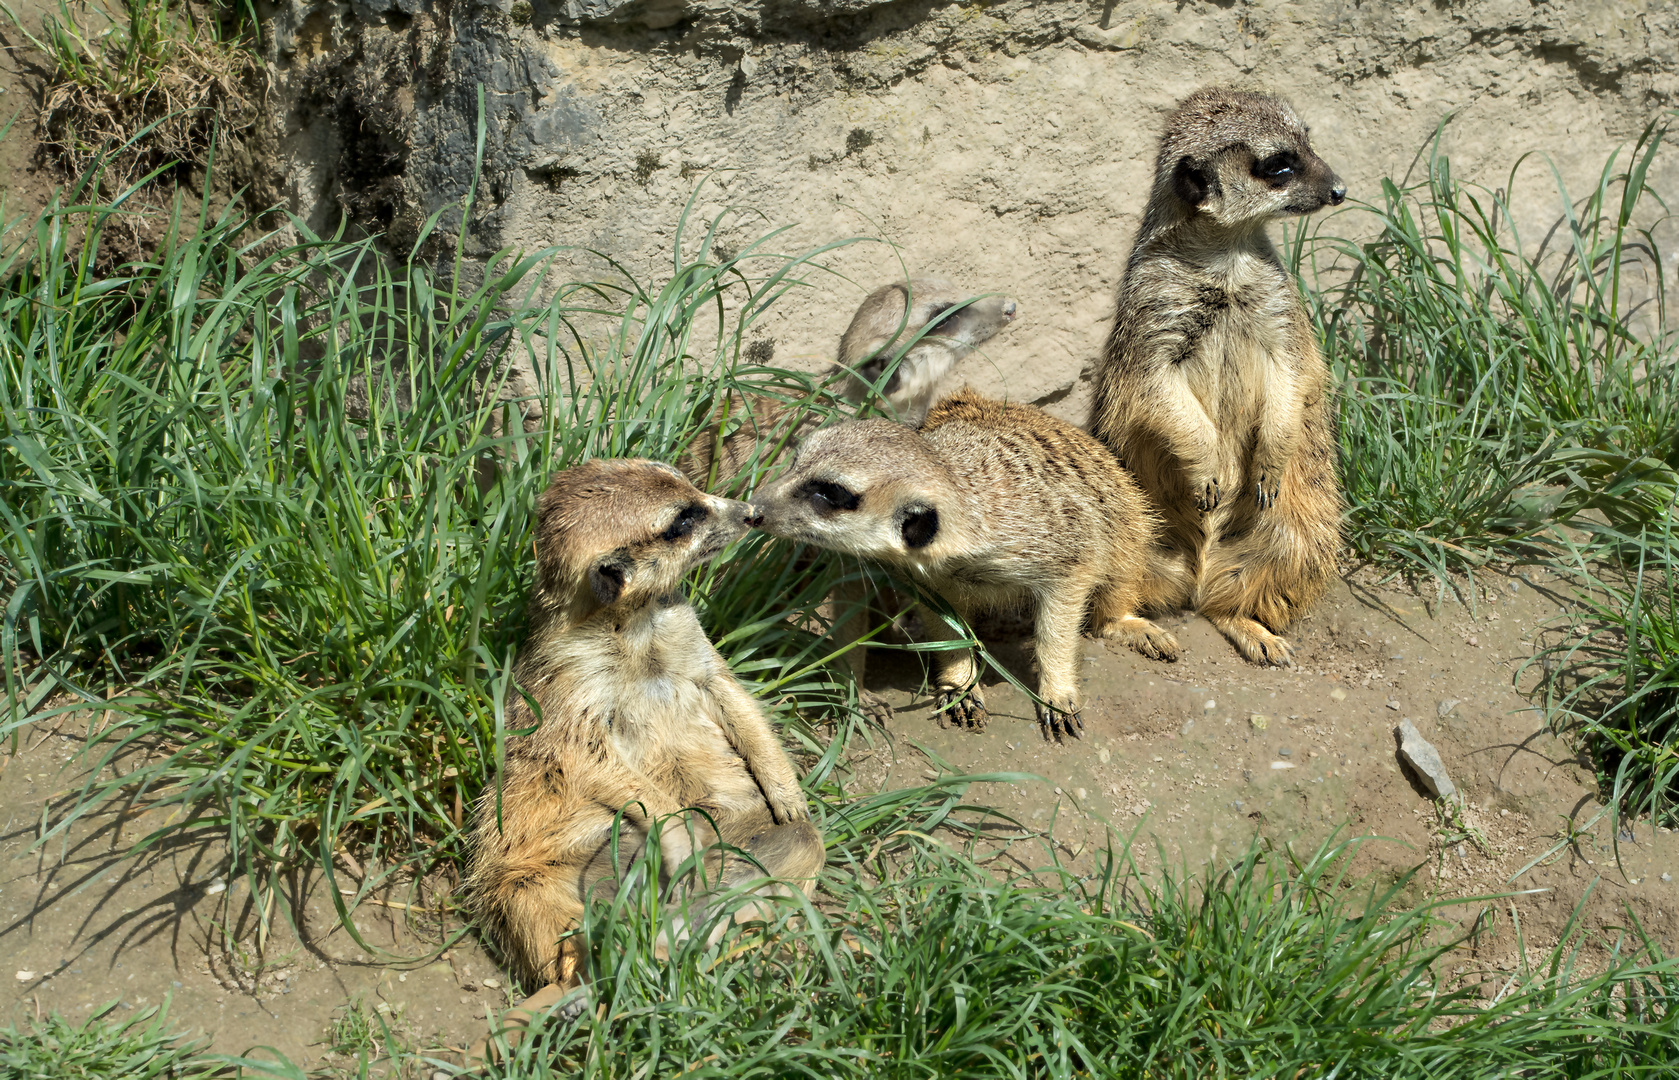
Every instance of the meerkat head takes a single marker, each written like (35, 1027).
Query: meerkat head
(1240, 159)
(621, 532)
(867, 487)
(889, 318)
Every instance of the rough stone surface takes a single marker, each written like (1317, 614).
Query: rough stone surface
(1004, 145)
(1420, 755)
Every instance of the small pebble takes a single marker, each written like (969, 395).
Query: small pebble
(176, 984)
(1667, 877)
(1444, 709)
(1475, 641)
(1337, 694)
(1236, 805)
(1187, 724)
(494, 983)
(1283, 751)
(1079, 794)
(1209, 706)
(25, 976)
(1259, 721)
(1392, 704)
(1515, 587)
(1102, 755)
(1397, 656)
(1282, 764)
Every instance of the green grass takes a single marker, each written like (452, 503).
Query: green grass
(1508, 399)
(295, 620)
(104, 1046)
(308, 618)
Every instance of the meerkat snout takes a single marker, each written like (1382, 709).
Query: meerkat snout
(868, 487)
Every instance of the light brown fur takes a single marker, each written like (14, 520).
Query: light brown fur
(989, 505)
(641, 722)
(1212, 389)
(934, 323)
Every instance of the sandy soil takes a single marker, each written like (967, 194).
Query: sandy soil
(1171, 751)
(1201, 758)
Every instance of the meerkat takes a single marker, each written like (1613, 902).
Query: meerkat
(1212, 389)
(989, 505)
(932, 322)
(642, 725)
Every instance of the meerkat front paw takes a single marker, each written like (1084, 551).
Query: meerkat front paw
(875, 707)
(1267, 488)
(961, 707)
(1059, 718)
(1207, 494)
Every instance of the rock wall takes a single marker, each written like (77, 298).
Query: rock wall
(1006, 145)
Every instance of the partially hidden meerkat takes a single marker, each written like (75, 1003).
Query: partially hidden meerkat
(989, 505)
(1212, 389)
(931, 321)
(642, 725)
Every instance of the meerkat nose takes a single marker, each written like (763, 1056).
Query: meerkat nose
(754, 516)
(1008, 309)
(1338, 194)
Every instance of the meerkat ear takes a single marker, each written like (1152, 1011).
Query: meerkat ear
(920, 525)
(1189, 183)
(607, 578)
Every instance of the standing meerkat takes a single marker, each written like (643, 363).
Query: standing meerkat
(641, 721)
(991, 506)
(930, 320)
(1212, 389)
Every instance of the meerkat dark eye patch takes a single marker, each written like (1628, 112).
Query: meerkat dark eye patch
(920, 526)
(1277, 168)
(871, 369)
(685, 521)
(1189, 183)
(939, 319)
(826, 496)
(607, 577)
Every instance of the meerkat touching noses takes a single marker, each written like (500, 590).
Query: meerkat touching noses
(988, 505)
(641, 723)
(932, 322)
(1212, 390)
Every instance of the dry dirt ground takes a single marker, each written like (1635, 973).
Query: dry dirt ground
(1171, 752)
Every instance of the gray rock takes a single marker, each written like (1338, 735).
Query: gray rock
(1444, 709)
(1419, 753)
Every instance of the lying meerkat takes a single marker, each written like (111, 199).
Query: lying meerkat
(951, 324)
(989, 505)
(641, 723)
(1212, 390)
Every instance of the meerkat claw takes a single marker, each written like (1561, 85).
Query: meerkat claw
(1207, 501)
(1266, 496)
(961, 709)
(1058, 722)
(875, 707)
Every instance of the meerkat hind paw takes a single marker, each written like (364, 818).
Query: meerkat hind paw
(571, 1002)
(1207, 499)
(1257, 643)
(1144, 636)
(961, 708)
(875, 707)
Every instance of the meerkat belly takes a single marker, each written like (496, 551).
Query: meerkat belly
(674, 739)
(1232, 378)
